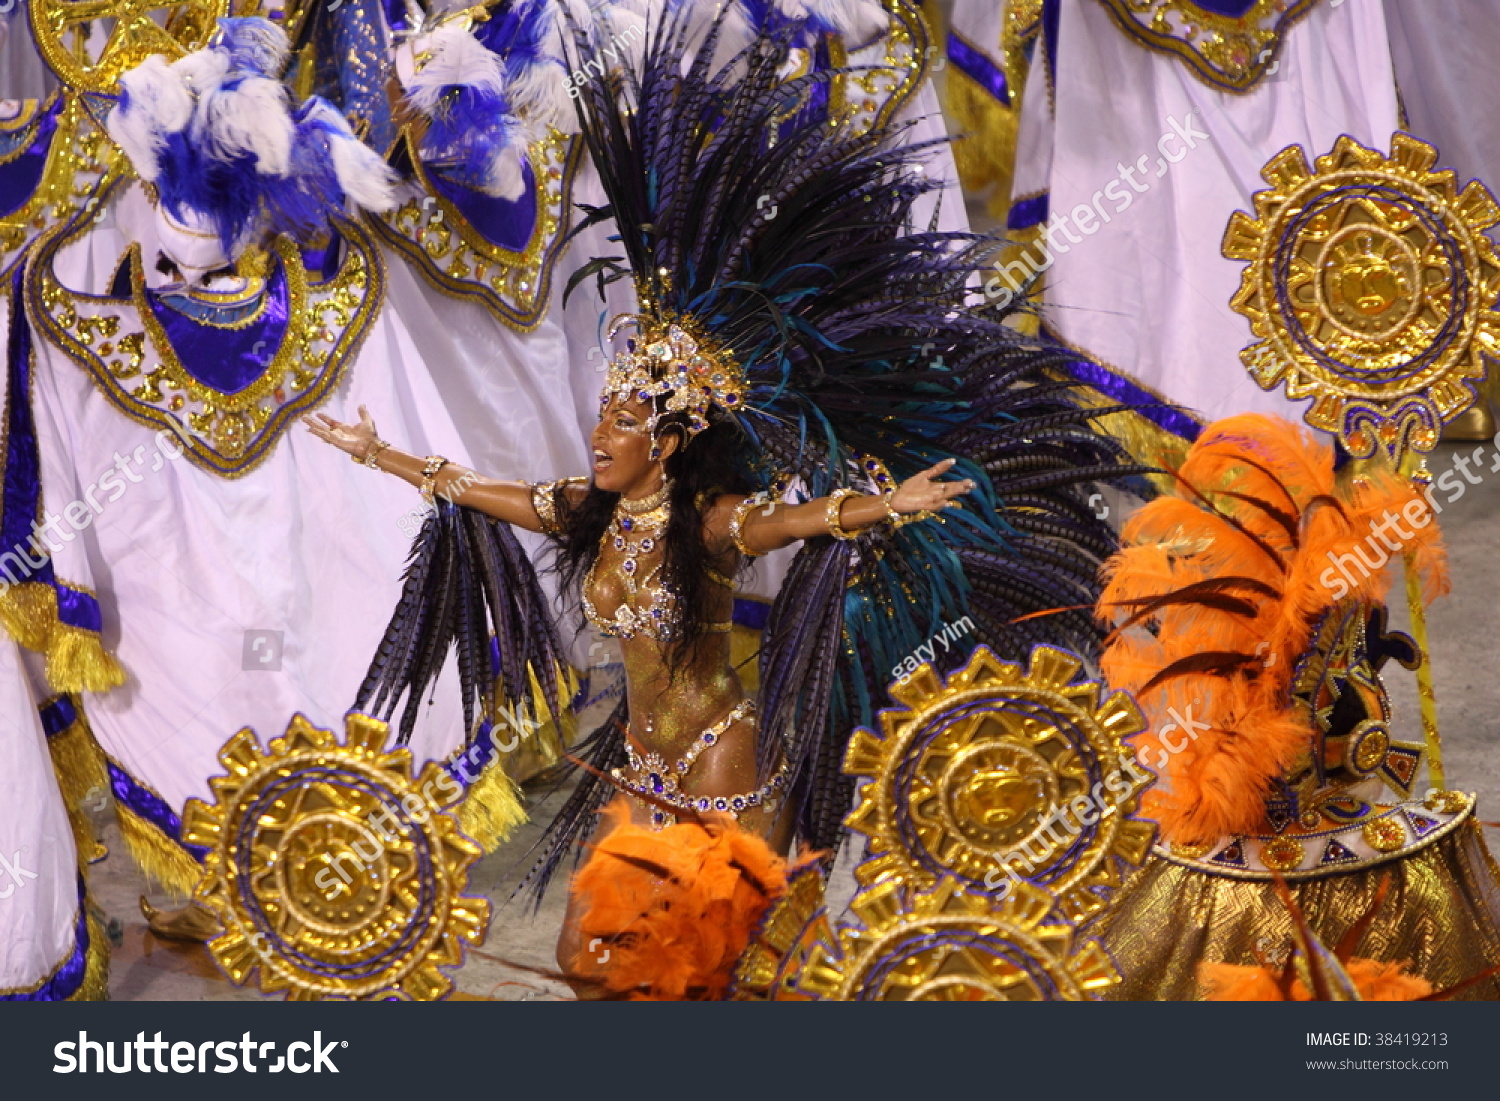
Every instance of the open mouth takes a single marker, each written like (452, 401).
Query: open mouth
(602, 460)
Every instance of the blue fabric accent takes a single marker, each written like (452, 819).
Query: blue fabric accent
(978, 68)
(58, 715)
(150, 806)
(78, 609)
(1028, 212)
(23, 485)
(1174, 419)
(505, 223)
(19, 178)
(754, 614)
(1234, 9)
(66, 980)
(1051, 10)
(359, 31)
(227, 360)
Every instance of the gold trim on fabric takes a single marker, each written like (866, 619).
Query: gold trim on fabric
(456, 260)
(226, 434)
(95, 984)
(82, 166)
(1441, 919)
(1228, 54)
(76, 658)
(1405, 847)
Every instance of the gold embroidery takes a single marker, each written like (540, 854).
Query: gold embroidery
(1225, 52)
(457, 259)
(228, 434)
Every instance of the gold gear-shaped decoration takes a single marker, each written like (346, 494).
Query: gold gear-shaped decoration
(1369, 288)
(138, 28)
(947, 944)
(770, 970)
(1001, 774)
(330, 869)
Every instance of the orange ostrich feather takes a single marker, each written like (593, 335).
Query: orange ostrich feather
(675, 908)
(1375, 981)
(1215, 597)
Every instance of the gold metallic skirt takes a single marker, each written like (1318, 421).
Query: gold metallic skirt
(1441, 918)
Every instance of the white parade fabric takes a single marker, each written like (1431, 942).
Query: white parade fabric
(191, 569)
(1138, 281)
(23, 73)
(38, 861)
(1444, 53)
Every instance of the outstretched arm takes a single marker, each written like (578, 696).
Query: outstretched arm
(508, 501)
(769, 527)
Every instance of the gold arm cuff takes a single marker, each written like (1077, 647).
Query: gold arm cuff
(435, 463)
(831, 514)
(544, 500)
(737, 523)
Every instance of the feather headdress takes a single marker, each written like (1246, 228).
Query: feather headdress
(217, 134)
(485, 90)
(1217, 595)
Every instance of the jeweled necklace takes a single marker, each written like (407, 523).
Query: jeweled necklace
(636, 528)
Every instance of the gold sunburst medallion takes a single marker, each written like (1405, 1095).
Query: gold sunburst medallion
(330, 868)
(949, 945)
(1369, 288)
(771, 967)
(1001, 774)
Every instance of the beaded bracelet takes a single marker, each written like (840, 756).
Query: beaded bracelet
(429, 478)
(831, 514)
(376, 447)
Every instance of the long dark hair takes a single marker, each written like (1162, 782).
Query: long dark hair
(701, 468)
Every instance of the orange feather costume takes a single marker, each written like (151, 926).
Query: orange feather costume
(674, 908)
(1217, 594)
(1248, 622)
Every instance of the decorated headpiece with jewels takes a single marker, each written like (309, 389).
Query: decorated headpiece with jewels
(667, 360)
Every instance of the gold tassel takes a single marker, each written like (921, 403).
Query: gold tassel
(95, 985)
(78, 662)
(76, 658)
(492, 809)
(157, 855)
(78, 760)
(29, 612)
(78, 763)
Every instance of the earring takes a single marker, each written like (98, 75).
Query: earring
(655, 453)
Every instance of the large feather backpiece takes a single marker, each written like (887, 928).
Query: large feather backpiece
(785, 234)
(467, 579)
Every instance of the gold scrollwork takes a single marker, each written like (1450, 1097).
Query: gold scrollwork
(135, 29)
(949, 945)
